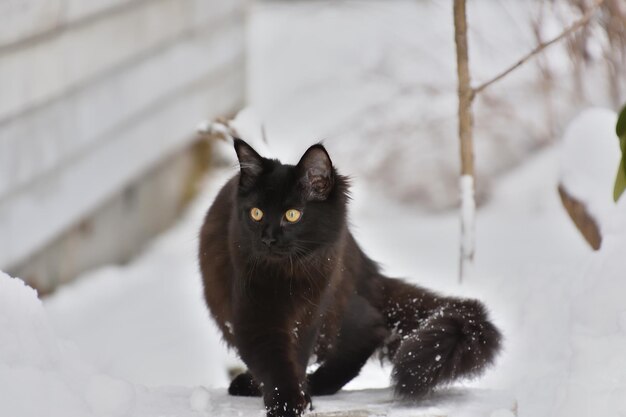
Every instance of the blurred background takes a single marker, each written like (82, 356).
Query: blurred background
(99, 101)
(98, 105)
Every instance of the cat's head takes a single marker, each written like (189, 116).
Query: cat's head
(289, 210)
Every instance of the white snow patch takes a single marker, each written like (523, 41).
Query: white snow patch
(39, 374)
(42, 375)
(200, 399)
(108, 396)
(590, 156)
(468, 223)
(502, 413)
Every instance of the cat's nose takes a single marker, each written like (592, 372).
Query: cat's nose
(269, 241)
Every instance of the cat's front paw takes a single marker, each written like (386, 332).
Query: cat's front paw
(244, 385)
(283, 404)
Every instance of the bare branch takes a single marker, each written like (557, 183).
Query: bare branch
(468, 204)
(464, 89)
(221, 129)
(543, 45)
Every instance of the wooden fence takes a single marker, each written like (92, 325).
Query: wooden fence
(98, 101)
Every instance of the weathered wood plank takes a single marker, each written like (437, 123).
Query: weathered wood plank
(51, 66)
(36, 214)
(41, 140)
(26, 19)
(120, 228)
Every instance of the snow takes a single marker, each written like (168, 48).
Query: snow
(597, 373)
(107, 396)
(200, 399)
(502, 413)
(597, 381)
(42, 375)
(468, 224)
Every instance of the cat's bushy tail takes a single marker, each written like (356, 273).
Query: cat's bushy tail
(437, 339)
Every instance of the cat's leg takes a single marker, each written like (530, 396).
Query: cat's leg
(244, 385)
(271, 356)
(362, 332)
(307, 336)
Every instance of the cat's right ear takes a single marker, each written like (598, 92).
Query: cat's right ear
(250, 162)
(316, 173)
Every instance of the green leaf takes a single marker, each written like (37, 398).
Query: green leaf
(620, 128)
(620, 181)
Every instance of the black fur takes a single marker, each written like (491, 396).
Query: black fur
(455, 340)
(244, 385)
(282, 292)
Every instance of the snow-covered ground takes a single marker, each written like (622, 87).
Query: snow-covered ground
(41, 375)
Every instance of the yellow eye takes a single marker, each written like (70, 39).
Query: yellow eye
(256, 214)
(293, 215)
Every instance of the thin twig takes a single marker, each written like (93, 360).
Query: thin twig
(221, 128)
(543, 45)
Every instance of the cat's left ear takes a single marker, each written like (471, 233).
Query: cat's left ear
(250, 162)
(316, 173)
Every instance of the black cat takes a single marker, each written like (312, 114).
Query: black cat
(286, 282)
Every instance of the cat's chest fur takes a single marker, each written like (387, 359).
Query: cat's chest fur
(304, 296)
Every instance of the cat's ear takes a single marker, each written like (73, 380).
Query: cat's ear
(316, 173)
(250, 162)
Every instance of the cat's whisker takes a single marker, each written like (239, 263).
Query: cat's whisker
(291, 275)
(320, 242)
